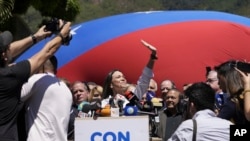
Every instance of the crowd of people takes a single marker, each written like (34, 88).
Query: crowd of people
(37, 105)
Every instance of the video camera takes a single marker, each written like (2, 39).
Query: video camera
(53, 25)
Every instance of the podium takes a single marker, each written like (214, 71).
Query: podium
(127, 128)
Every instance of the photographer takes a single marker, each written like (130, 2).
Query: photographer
(15, 75)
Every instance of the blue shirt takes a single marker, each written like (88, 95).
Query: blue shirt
(209, 128)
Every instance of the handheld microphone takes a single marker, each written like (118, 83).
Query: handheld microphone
(133, 99)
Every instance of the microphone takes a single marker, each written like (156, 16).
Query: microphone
(93, 106)
(111, 102)
(120, 106)
(150, 95)
(133, 99)
(157, 102)
(148, 106)
(130, 110)
(118, 99)
(81, 105)
(106, 111)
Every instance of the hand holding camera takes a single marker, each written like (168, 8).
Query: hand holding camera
(60, 28)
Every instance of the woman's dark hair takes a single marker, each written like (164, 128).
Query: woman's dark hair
(234, 83)
(107, 91)
(202, 95)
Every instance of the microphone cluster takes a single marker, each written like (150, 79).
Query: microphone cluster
(150, 106)
(134, 107)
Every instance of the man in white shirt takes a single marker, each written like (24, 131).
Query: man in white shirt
(201, 109)
(47, 105)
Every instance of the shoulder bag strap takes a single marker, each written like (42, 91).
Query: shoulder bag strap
(194, 129)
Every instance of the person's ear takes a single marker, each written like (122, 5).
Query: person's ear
(192, 107)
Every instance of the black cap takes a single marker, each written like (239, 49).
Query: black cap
(5, 40)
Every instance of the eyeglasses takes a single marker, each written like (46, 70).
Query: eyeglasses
(211, 80)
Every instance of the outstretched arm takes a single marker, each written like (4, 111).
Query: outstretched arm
(20, 46)
(50, 48)
(153, 55)
(147, 74)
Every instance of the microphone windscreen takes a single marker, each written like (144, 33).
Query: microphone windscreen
(95, 104)
(130, 110)
(86, 108)
(150, 95)
(80, 106)
(106, 112)
(157, 102)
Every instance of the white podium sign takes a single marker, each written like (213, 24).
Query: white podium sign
(130, 128)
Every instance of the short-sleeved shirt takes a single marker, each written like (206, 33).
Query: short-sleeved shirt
(47, 107)
(11, 80)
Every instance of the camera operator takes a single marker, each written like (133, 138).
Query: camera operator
(15, 75)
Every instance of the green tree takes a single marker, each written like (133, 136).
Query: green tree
(6, 7)
(12, 9)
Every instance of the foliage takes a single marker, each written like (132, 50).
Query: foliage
(21, 6)
(66, 9)
(6, 6)
(92, 9)
(33, 11)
